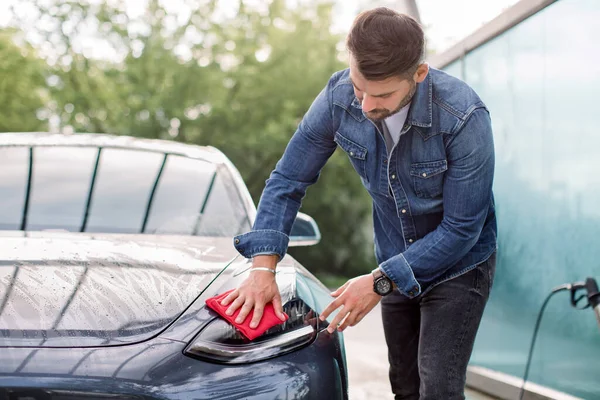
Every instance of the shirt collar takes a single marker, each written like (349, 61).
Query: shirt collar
(420, 110)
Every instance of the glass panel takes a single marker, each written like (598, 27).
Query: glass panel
(179, 196)
(125, 178)
(224, 214)
(60, 187)
(14, 173)
(540, 81)
(124, 182)
(454, 69)
(570, 194)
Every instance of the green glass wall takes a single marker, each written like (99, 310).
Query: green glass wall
(541, 82)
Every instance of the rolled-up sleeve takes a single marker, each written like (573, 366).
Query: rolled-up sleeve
(467, 197)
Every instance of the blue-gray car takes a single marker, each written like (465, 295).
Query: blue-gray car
(109, 248)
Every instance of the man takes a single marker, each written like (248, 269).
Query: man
(422, 144)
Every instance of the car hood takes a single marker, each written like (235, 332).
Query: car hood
(79, 290)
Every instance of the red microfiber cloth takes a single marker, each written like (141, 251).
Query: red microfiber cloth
(268, 320)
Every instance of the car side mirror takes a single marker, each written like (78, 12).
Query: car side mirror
(305, 231)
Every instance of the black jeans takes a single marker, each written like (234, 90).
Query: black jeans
(430, 338)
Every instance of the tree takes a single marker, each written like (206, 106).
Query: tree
(239, 82)
(21, 86)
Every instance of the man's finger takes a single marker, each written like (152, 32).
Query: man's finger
(237, 303)
(278, 307)
(348, 321)
(358, 318)
(338, 318)
(258, 313)
(230, 297)
(340, 290)
(246, 308)
(331, 307)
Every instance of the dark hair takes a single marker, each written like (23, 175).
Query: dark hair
(385, 43)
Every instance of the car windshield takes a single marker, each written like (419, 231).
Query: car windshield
(114, 190)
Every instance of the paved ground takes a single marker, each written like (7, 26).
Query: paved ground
(367, 361)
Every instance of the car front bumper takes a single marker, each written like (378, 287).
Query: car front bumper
(158, 369)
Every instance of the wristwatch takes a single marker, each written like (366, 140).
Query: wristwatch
(382, 285)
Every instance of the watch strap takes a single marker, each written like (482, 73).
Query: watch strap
(377, 272)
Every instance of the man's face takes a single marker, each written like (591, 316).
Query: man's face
(380, 99)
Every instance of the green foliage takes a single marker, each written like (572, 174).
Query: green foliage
(238, 82)
(21, 86)
(332, 281)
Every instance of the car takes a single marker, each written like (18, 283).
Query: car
(109, 248)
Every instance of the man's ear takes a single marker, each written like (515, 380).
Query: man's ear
(421, 73)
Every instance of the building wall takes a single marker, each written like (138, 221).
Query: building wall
(541, 82)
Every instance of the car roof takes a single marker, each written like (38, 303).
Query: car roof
(36, 139)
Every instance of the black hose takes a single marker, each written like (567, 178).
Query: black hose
(535, 332)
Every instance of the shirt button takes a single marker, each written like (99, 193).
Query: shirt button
(385, 160)
(237, 241)
(410, 240)
(403, 211)
(416, 289)
(410, 293)
(352, 153)
(393, 176)
(424, 175)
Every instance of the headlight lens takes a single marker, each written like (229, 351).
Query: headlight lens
(218, 341)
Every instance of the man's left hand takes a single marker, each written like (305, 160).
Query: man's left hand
(356, 298)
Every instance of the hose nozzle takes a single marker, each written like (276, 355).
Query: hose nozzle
(591, 295)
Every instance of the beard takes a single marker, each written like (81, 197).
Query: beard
(379, 114)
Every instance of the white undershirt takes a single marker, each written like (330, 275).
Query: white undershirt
(394, 123)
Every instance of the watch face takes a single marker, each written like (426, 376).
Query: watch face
(384, 286)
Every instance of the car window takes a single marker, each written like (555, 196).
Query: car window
(223, 214)
(124, 181)
(179, 196)
(60, 187)
(14, 174)
(186, 196)
(192, 198)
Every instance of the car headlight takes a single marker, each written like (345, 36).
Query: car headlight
(218, 341)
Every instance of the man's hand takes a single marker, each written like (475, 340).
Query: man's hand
(357, 299)
(256, 291)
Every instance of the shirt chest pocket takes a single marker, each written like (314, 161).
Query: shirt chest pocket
(356, 153)
(428, 178)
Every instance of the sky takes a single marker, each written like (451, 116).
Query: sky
(446, 21)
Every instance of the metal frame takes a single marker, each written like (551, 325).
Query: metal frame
(153, 192)
(504, 386)
(27, 191)
(502, 23)
(204, 202)
(88, 202)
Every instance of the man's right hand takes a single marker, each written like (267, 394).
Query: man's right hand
(255, 292)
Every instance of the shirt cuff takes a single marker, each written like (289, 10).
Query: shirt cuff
(399, 271)
(265, 241)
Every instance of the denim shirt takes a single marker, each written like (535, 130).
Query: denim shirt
(433, 207)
